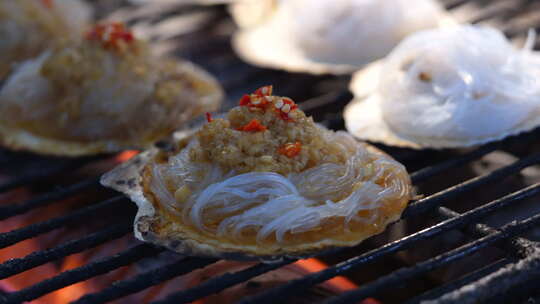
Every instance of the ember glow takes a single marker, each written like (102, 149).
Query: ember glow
(126, 155)
(70, 293)
(338, 284)
(21, 249)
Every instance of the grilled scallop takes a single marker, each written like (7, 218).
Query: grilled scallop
(104, 95)
(263, 182)
(448, 88)
(320, 36)
(28, 27)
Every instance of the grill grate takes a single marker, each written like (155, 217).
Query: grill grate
(511, 276)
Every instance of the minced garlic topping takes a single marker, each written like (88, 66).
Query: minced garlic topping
(104, 40)
(74, 71)
(266, 133)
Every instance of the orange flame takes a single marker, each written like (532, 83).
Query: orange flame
(125, 156)
(339, 283)
(315, 265)
(72, 292)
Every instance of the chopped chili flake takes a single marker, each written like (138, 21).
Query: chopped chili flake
(285, 116)
(48, 3)
(253, 126)
(209, 117)
(259, 103)
(245, 100)
(284, 106)
(264, 91)
(253, 102)
(263, 97)
(291, 150)
(288, 101)
(111, 36)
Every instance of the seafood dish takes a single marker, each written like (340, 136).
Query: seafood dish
(105, 94)
(319, 36)
(447, 88)
(262, 182)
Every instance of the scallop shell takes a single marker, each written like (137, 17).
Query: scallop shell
(285, 211)
(101, 123)
(148, 227)
(267, 35)
(497, 102)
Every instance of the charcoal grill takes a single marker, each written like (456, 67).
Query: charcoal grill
(513, 276)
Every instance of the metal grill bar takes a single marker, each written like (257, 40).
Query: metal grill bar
(518, 166)
(82, 273)
(513, 29)
(435, 200)
(37, 258)
(498, 9)
(497, 284)
(220, 283)
(42, 174)
(451, 4)
(150, 278)
(428, 172)
(295, 286)
(467, 279)
(46, 199)
(519, 247)
(18, 235)
(397, 278)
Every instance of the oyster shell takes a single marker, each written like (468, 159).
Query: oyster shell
(319, 36)
(264, 183)
(103, 95)
(28, 27)
(447, 88)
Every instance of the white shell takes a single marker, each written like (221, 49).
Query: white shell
(450, 87)
(320, 36)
